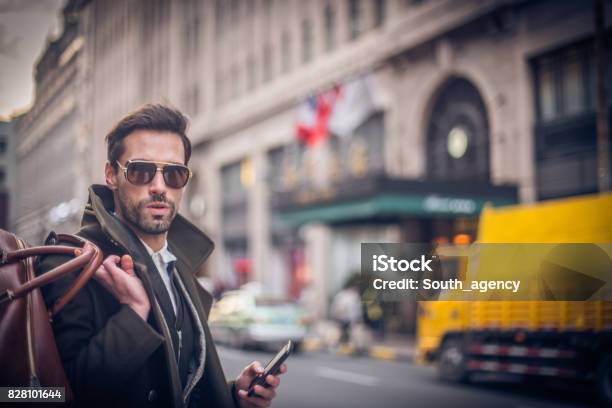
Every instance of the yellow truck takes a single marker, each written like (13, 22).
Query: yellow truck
(550, 338)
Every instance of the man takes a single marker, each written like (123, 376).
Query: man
(136, 335)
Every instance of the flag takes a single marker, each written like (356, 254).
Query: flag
(356, 102)
(313, 117)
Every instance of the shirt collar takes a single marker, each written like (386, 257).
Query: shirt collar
(164, 253)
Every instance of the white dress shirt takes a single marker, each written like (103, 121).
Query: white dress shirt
(161, 259)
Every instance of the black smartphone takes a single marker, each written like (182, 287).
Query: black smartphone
(271, 368)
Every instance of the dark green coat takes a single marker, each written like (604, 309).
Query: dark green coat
(111, 356)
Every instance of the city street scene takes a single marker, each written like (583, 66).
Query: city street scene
(314, 133)
(323, 380)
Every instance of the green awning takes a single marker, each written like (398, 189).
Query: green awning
(389, 204)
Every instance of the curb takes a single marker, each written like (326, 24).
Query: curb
(391, 354)
(311, 345)
(384, 353)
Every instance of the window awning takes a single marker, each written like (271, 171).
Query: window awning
(388, 198)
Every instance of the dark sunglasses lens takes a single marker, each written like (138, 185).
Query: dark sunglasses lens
(176, 176)
(140, 173)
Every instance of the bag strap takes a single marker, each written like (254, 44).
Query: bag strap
(86, 256)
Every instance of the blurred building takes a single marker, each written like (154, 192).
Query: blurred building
(51, 142)
(458, 103)
(477, 102)
(7, 170)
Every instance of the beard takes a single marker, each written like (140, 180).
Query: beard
(134, 213)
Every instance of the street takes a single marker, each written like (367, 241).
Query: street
(326, 380)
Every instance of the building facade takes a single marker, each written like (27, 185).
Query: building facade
(477, 102)
(481, 101)
(51, 142)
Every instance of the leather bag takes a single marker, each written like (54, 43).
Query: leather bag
(28, 353)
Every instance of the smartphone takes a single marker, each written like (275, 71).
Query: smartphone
(272, 367)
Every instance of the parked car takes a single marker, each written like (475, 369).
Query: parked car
(241, 319)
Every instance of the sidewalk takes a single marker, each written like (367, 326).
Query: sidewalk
(393, 348)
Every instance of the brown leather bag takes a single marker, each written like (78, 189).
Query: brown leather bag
(28, 353)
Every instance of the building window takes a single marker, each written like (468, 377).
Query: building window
(191, 28)
(306, 41)
(3, 145)
(235, 81)
(235, 11)
(251, 69)
(574, 85)
(458, 134)
(233, 188)
(250, 8)
(191, 99)
(219, 89)
(267, 63)
(276, 170)
(565, 125)
(380, 12)
(191, 51)
(547, 91)
(330, 26)
(355, 17)
(563, 83)
(410, 3)
(234, 215)
(285, 51)
(267, 6)
(219, 17)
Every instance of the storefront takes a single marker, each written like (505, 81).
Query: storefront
(383, 209)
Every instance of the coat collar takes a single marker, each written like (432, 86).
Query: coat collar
(184, 237)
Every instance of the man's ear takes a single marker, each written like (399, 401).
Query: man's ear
(110, 176)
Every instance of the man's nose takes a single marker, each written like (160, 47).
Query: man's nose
(157, 185)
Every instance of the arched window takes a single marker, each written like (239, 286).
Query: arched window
(458, 134)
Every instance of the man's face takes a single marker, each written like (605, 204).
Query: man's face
(148, 208)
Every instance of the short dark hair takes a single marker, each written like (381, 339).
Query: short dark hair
(157, 116)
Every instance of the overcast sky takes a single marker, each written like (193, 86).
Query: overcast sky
(24, 28)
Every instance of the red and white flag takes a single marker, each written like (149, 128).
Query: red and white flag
(312, 122)
(340, 110)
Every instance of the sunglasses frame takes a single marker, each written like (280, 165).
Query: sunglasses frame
(159, 167)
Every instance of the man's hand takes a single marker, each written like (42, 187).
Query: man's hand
(263, 396)
(117, 275)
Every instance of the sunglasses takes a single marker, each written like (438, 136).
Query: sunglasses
(141, 172)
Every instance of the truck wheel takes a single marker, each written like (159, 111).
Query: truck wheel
(452, 362)
(604, 380)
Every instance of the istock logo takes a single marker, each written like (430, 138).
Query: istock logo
(383, 263)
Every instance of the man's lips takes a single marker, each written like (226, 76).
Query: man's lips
(158, 208)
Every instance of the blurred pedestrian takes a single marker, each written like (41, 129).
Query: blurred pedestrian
(346, 308)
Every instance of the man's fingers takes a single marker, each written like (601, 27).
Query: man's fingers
(100, 272)
(111, 262)
(254, 401)
(127, 264)
(114, 272)
(115, 265)
(265, 393)
(255, 368)
(102, 276)
(273, 380)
